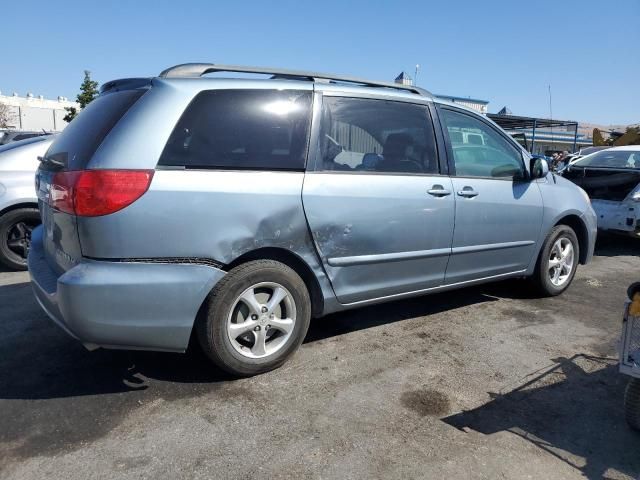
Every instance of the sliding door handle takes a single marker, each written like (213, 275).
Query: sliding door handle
(438, 191)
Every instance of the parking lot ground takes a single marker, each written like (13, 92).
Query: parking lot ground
(486, 382)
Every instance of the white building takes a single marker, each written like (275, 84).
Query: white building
(474, 103)
(33, 113)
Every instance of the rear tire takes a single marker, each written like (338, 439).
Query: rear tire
(560, 248)
(255, 318)
(15, 236)
(632, 403)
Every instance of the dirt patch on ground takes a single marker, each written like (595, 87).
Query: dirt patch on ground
(426, 402)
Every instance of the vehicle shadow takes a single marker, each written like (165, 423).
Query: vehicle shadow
(52, 374)
(611, 245)
(39, 361)
(391, 312)
(572, 410)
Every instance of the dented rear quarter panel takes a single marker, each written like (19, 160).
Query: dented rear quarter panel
(210, 214)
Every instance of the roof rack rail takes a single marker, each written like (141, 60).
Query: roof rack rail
(199, 69)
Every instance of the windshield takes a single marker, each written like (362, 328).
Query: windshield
(611, 159)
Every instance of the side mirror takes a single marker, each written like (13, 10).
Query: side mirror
(538, 168)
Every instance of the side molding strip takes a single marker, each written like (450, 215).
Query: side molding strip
(387, 257)
(491, 246)
(438, 252)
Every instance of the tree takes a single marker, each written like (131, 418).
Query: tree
(88, 91)
(598, 139)
(6, 116)
(631, 137)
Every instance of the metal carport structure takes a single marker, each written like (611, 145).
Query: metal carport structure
(516, 123)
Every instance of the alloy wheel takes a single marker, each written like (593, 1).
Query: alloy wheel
(19, 238)
(261, 320)
(561, 261)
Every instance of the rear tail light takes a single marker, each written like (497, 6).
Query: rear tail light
(91, 193)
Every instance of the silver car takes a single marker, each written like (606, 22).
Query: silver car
(18, 201)
(238, 209)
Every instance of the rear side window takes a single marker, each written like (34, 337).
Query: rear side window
(362, 135)
(77, 143)
(242, 129)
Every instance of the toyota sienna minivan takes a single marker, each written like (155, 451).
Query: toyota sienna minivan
(236, 209)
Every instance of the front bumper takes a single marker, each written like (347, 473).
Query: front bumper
(129, 305)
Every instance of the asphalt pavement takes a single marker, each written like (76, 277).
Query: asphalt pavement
(485, 382)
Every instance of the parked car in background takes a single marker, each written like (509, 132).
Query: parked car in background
(9, 136)
(18, 200)
(241, 208)
(589, 150)
(611, 178)
(574, 157)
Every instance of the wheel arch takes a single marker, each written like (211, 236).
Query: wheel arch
(294, 262)
(18, 205)
(578, 226)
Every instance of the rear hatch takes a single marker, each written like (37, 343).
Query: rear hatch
(65, 165)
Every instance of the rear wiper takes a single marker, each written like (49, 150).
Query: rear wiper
(51, 161)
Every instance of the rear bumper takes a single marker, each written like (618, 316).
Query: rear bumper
(149, 306)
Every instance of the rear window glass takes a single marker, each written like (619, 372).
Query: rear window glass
(77, 143)
(242, 129)
(611, 159)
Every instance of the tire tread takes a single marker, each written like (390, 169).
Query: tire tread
(6, 220)
(632, 403)
(540, 278)
(205, 325)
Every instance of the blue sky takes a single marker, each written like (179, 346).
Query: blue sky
(504, 51)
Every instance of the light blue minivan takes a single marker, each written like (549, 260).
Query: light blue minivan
(237, 209)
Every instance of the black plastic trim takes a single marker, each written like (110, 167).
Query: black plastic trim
(166, 260)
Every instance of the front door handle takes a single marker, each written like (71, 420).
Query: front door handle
(438, 191)
(468, 192)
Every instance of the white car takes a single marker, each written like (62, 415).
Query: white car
(611, 178)
(18, 201)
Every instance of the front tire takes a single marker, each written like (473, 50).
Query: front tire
(558, 261)
(632, 403)
(256, 317)
(15, 236)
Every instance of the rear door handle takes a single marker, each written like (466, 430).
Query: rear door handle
(468, 192)
(438, 191)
